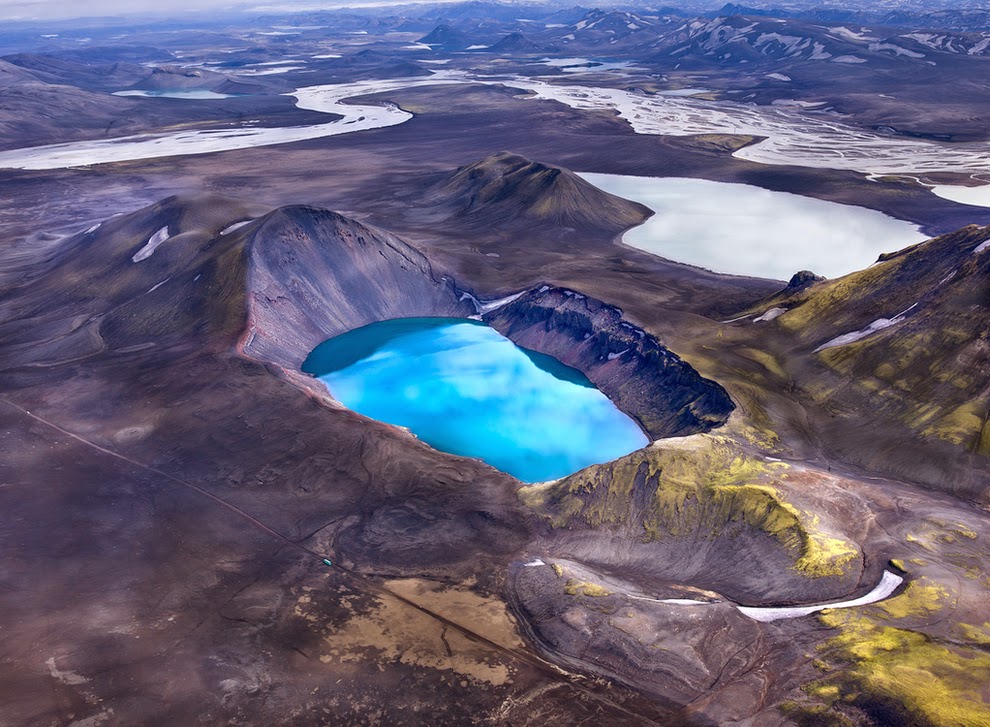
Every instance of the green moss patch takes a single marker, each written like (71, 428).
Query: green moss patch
(575, 587)
(902, 673)
(699, 485)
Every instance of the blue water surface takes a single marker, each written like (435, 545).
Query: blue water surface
(463, 388)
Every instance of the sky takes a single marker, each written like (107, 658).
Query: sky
(61, 9)
(39, 10)
(42, 9)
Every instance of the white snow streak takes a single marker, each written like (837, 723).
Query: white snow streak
(888, 584)
(491, 305)
(770, 315)
(236, 226)
(878, 325)
(149, 248)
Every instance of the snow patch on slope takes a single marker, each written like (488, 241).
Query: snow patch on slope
(770, 315)
(236, 226)
(887, 585)
(149, 248)
(878, 325)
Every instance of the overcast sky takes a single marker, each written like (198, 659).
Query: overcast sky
(41, 9)
(60, 9)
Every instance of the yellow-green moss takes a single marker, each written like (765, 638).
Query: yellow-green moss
(821, 554)
(983, 447)
(765, 360)
(940, 684)
(961, 425)
(976, 634)
(584, 588)
(818, 305)
(535, 495)
(698, 485)
(916, 540)
(885, 372)
(824, 692)
(921, 598)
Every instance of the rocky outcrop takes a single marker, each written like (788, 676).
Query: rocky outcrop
(648, 382)
(801, 280)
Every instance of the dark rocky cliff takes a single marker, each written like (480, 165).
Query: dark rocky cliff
(650, 383)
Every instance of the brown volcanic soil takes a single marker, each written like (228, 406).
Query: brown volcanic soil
(146, 372)
(191, 570)
(162, 607)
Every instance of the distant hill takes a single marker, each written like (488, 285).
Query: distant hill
(81, 73)
(11, 74)
(173, 78)
(447, 38)
(516, 43)
(508, 190)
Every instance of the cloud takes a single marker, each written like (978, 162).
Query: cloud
(62, 9)
(41, 10)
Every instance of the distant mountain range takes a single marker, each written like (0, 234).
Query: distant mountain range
(734, 37)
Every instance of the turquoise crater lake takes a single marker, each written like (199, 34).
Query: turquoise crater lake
(463, 388)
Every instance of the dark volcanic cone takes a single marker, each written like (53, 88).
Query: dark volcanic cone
(507, 190)
(183, 271)
(443, 36)
(173, 78)
(515, 43)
